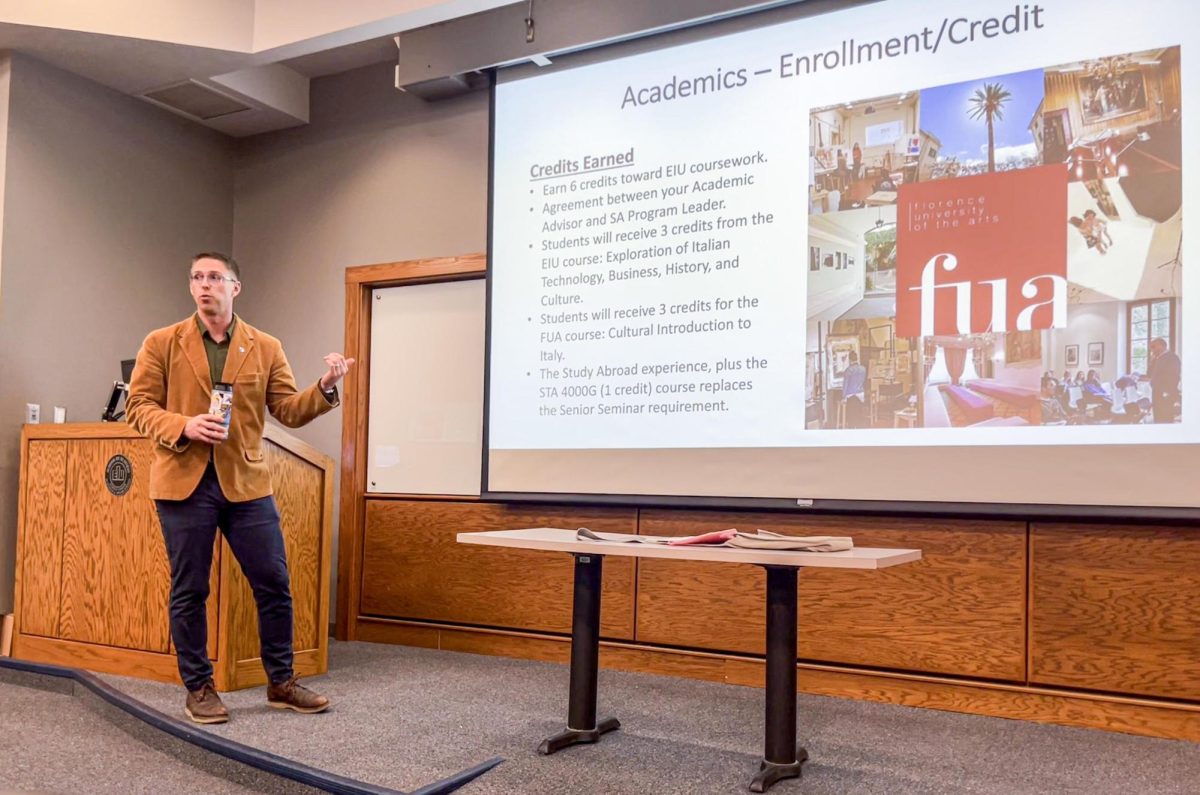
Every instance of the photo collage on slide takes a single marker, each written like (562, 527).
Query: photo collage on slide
(1003, 251)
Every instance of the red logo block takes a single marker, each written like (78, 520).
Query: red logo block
(982, 253)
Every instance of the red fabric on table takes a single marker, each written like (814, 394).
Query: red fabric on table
(718, 537)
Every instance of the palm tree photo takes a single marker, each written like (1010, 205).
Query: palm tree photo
(987, 103)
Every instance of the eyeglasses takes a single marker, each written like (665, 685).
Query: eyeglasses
(211, 278)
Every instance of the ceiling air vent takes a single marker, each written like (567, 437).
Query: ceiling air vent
(194, 100)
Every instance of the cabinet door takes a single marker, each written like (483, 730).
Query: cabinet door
(115, 575)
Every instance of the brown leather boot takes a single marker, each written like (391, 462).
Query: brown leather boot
(204, 705)
(292, 695)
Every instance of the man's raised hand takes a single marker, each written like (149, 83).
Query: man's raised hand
(338, 366)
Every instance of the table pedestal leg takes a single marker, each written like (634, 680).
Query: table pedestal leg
(582, 726)
(782, 758)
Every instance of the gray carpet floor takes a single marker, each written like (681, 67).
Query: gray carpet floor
(405, 717)
(52, 743)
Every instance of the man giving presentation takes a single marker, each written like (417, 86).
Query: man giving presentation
(200, 390)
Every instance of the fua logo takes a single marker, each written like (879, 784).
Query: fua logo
(999, 292)
(983, 253)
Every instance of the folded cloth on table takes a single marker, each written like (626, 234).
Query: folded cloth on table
(583, 534)
(760, 539)
(765, 539)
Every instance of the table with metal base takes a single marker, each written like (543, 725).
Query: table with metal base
(582, 726)
(782, 757)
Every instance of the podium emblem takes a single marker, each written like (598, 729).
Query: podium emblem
(118, 475)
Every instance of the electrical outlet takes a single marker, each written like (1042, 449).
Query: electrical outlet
(60, 414)
(33, 413)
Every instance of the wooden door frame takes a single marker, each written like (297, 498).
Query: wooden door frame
(361, 282)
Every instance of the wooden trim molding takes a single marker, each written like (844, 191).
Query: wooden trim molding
(298, 447)
(106, 659)
(435, 269)
(312, 455)
(78, 430)
(354, 456)
(1176, 720)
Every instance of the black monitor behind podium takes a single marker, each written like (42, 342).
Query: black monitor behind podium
(119, 388)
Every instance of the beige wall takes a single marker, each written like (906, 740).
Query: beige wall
(5, 80)
(378, 176)
(105, 199)
(223, 24)
(1103, 321)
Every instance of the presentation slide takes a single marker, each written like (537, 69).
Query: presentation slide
(915, 251)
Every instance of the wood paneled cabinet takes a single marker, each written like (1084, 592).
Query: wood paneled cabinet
(1081, 624)
(93, 580)
(959, 611)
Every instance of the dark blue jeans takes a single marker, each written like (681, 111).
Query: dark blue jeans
(252, 530)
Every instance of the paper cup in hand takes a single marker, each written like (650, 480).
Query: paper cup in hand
(221, 402)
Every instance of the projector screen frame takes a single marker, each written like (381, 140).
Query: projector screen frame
(648, 41)
(913, 509)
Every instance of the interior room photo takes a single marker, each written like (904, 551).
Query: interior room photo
(852, 263)
(981, 380)
(1095, 371)
(1100, 369)
(862, 151)
(1115, 251)
(851, 308)
(1114, 121)
(883, 394)
(1118, 115)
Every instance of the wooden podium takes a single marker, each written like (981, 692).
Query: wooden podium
(92, 578)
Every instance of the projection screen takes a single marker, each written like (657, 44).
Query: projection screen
(926, 252)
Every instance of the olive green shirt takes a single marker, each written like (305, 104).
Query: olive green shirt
(217, 352)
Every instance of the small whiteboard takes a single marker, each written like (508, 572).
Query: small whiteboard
(425, 418)
(885, 134)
